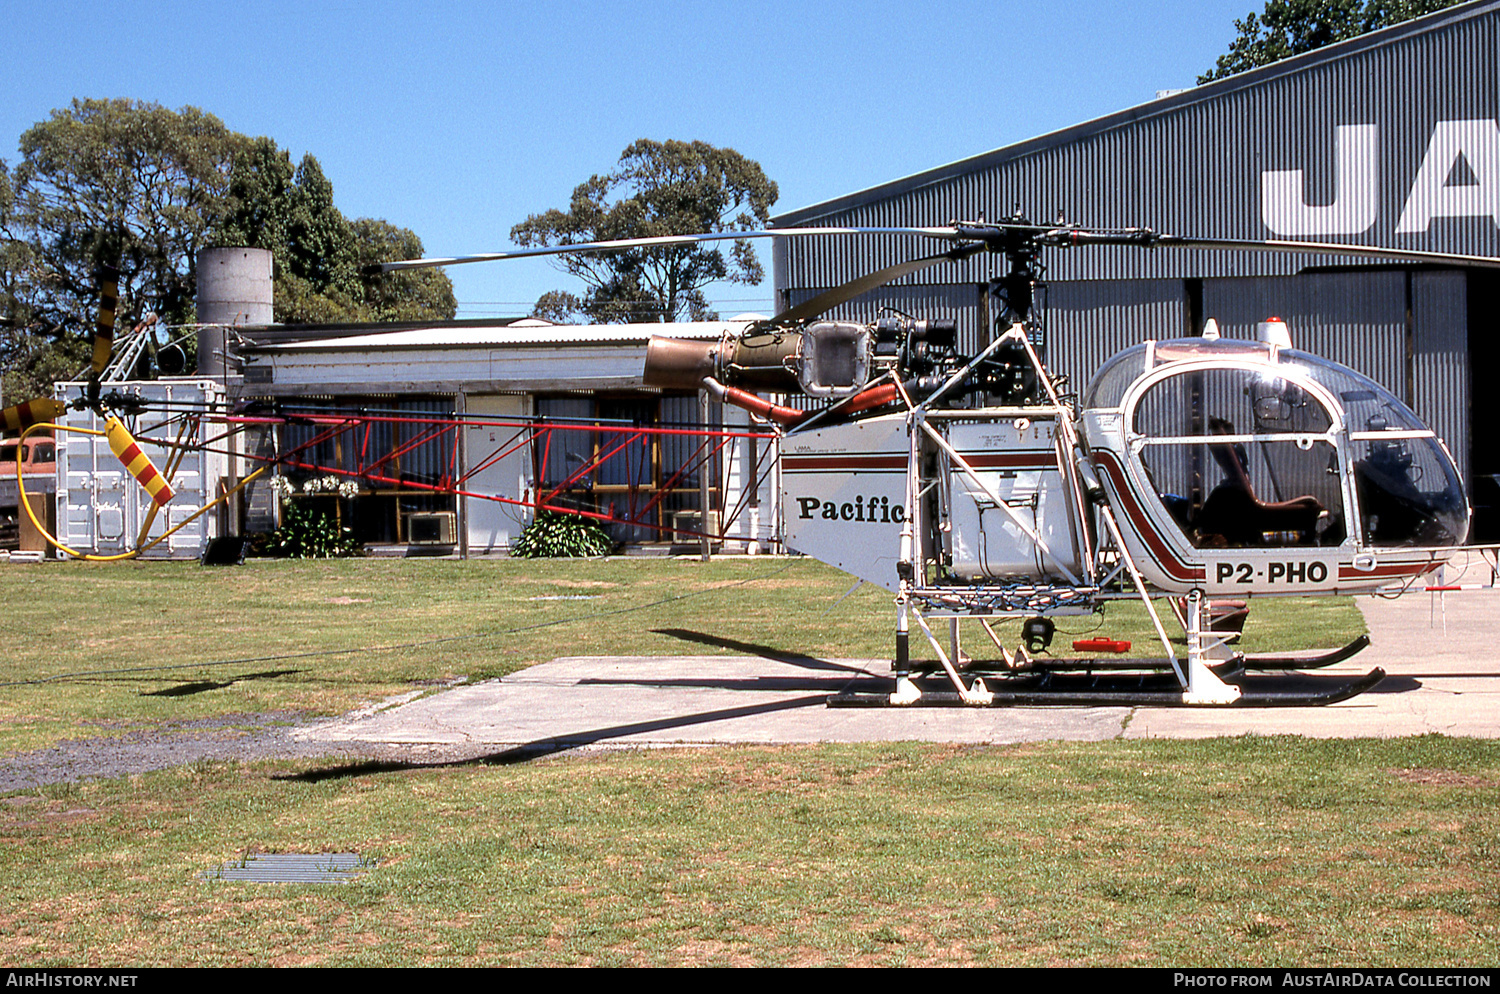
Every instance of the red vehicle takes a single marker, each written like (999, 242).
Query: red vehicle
(38, 465)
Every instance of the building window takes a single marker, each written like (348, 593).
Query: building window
(591, 457)
(402, 453)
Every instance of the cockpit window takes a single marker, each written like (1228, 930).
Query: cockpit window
(1241, 457)
(1245, 454)
(1260, 494)
(1109, 384)
(1113, 379)
(1409, 492)
(1252, 401)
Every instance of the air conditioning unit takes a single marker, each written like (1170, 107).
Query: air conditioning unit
(686, 526)
(432, 528)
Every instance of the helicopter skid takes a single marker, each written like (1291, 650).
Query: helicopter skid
(1269, 662)
(1105, 664)
(1045, 689)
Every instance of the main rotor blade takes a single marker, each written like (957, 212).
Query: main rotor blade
(1147, 238)
(659, 241)
(1329, 248)
(809, 309)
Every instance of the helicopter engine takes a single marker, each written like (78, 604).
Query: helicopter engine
(833, 360)
(826, 359)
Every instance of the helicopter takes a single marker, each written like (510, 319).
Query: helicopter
(974, 490)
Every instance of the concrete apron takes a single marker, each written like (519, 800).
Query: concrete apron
(1441, 654)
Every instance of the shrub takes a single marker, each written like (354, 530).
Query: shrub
(553, 535)
(306, 533)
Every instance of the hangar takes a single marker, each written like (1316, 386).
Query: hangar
(1389, 139)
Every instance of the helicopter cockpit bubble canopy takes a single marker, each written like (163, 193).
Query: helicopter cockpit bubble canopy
(1245, 466)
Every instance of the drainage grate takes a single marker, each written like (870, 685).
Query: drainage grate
(293, 868)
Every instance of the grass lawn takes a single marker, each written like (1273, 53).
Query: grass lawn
(1259, 852)
(1246, 851)
(93, 648)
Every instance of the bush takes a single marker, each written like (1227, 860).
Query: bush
(306, 533)
(553, 535)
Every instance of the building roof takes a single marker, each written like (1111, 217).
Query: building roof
(276, 334)
(466, 358)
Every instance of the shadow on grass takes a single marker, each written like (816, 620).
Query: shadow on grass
(200, 686)
(551, 746)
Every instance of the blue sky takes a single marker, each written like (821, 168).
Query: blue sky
(457, 120)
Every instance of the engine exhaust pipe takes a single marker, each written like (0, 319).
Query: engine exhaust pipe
(681, 364)
(764, 361)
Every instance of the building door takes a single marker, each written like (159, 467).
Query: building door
(498, 463)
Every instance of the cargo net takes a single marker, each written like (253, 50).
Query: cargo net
(1019, 598)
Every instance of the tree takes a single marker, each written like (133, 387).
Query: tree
(144, 188)
(318, 252)
(1291, 27)
(103, 181)
(30, 359)
(121, 182)
(290, 211)
(658, 188)
(411, 295)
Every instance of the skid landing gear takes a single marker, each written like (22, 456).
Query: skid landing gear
(1307, 662)
(1211, 676)
(1121, 690)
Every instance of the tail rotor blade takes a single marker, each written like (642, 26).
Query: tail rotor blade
(128, 451)
(33, 412)
(104, 327)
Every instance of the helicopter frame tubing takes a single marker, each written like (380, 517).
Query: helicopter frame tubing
(608, 444)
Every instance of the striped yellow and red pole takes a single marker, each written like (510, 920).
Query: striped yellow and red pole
(33, 412)
(128, 452)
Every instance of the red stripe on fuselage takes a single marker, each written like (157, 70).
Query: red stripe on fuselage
(1039, 459)
(1387, 572)
(1170, 563)
(797, 463)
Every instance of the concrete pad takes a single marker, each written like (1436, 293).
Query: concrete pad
(1445, 681)
(696, 700)
(1437, 680)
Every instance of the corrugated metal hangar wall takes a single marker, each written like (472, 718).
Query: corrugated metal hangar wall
(1392, 139)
